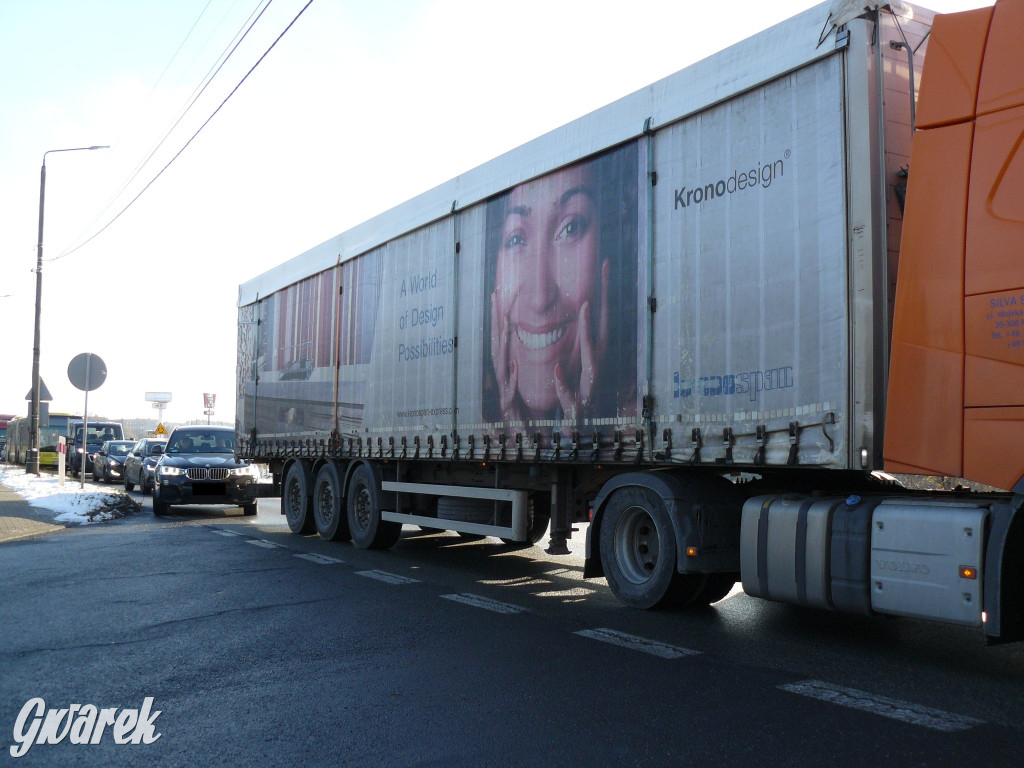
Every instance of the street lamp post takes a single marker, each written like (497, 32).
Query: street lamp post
(32, 460)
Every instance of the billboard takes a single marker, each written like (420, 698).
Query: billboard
(518, 312)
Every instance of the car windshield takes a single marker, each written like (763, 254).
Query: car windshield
(98, 434)
(119, 449)
(202, 442)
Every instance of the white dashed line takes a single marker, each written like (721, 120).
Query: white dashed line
(484, 602)
(388, 578)
(219, 532)
(320, 559)
(935, 719)
(635, 643)
(264, 543)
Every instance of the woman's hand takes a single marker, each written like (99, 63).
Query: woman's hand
(504, 369)
(592, 352)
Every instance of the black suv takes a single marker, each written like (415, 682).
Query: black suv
(198, 466)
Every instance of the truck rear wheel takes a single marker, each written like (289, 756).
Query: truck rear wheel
(296, 503)
(328, 513)
(369, 530)
(638, 549)
(639, 553)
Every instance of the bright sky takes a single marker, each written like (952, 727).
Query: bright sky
(361, 105)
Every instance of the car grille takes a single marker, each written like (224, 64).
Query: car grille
(206, 473)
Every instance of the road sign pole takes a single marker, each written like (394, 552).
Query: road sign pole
(85, 426)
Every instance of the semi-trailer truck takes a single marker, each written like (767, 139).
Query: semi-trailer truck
(731, 321)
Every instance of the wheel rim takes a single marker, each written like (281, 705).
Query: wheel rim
(293, 499)
(325, 503)
(362, 508)
(637, 545)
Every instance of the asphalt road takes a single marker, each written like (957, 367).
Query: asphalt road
(259, 647)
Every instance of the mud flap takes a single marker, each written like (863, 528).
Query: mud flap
(1004, 574)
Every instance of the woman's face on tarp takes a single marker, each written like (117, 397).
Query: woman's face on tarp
(547, 270)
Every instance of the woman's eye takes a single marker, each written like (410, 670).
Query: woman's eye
(514, 239)
(573, 227)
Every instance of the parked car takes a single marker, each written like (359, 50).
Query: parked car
(140, 464)
(108, 461)
(198, 466)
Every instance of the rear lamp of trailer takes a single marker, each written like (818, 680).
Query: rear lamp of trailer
(968, 572)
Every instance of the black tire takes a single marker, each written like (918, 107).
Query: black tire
(249, 509)
(296, 503)
(638, 550)
(369, 531)
(128, 484)
(465, 509)
(159, 508)
(328, 505)
(144, 488)
(539, 519)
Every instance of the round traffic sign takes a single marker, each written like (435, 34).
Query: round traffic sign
(87, 371)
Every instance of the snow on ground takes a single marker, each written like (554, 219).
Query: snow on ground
(70, 502)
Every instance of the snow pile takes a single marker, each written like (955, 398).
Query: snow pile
(71, 503)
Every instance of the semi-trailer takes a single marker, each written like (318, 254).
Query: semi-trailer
(700, 320)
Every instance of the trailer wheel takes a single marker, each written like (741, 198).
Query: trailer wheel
(296, 504)
(638, 549)
(369, 530)
(331, 522)
(539, 519)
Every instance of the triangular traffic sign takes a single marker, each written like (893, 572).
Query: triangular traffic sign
(44, 393)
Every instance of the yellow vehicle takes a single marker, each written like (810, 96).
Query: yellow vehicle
(48, 456)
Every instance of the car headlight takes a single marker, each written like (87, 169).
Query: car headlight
(241, 471)
(170, 471)
(111, 463)
(81, 450)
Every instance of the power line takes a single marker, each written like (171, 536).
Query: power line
(191, 139)
(192, 99)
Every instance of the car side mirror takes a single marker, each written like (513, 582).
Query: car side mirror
(101, 453)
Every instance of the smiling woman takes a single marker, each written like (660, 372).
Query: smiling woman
(561, 276)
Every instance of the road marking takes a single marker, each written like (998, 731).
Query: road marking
(219, 532)
(484, 602)
(321, 559)
(635, 643)
(389, 578)
(264, 543)
(935, 719)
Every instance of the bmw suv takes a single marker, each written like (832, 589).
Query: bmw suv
(198, 466)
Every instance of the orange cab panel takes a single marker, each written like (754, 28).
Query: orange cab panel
(923, 427)
(990, 383)
(995, 219)
(1001, 83)
(926, 369)
(950, 91)
(930, 287)
(992, 441)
